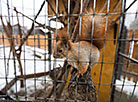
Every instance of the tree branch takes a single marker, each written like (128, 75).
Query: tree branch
(58, 78)
(113, 23)
(32, 27)
(41, 25)
(56, 13)
(8, 32)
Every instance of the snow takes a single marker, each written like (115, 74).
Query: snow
(130, 16)
(128, 86)
(29, 65)
(29, 8)
(134, 24)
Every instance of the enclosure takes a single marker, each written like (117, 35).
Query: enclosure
(69, 50)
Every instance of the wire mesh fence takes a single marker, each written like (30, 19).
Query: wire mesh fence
(69, 50)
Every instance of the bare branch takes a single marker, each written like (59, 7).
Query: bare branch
(105, 4)
(41, 25)
(59, 78)
(19, 27)
(12, 82)
(8, 32)
(72, 21)
(39, 10)
(113, 23)
(32, 27)
(65, 6)
(55, 13)
(6, 96)
(26, 37)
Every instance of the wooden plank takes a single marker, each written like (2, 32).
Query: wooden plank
(107, 70)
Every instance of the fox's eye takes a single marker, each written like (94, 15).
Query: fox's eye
(60, 51)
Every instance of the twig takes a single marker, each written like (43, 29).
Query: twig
(6, 96)
(26, 37)
(122, 14)
(8, 33)
(58, 78)
(41, 25)
(62, 85)
(32, 27)
(72, 21)
(55, 13)
(51, 7)
(118, 4)
(11, 83)
(105, 4)
(19, 27)
(8, 9)
(39, 10)
(65, 6)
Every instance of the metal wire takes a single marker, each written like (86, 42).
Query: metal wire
(117, 49)
(129, 60)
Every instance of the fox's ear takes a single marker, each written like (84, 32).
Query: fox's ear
(67, 43)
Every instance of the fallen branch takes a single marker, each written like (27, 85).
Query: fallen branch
(64, 69)
(62, 85)
(9, 85)
(28, 76)
(5, 96)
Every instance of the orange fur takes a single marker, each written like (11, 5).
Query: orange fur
(97, 23)
(79, 57)
(79, 54)
(96, 38)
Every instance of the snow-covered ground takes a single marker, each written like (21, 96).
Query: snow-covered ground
(128, 86)
(29, 66)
